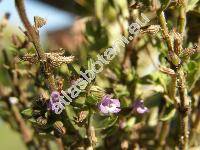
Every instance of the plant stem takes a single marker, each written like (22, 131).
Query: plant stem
(165, 32)
(34, 38)
(26, 133)
(30, 29)
(162, 128)
(165, 131)
(184, 101)
(195, 125)
(182, 17)
(89, 132)
(184, 110)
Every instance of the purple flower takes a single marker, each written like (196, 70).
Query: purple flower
(138, 107)
(53, 99)
(109, 105)
(55, 96)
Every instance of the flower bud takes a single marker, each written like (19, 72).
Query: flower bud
(139, 108)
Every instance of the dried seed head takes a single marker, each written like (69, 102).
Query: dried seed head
(59, 129)
(167, 71)
(39, 21)
(136, 5)
(82, 116)
(41, 121)
(180, 2)
(151, 29)
(190, 51)
(174, 58)
(178, 38)
(55, 59)
(31, 58)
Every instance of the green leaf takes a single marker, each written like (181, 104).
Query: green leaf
(120, 90)
(131, 122)
(110, 13)
(27, 112)
(96, 35)
(193, 73)
(32, 120)
(99, 8)
(103, 122)
(169, 116)
(92, 100)
(191, 4)
(164, 4)
(71, 114)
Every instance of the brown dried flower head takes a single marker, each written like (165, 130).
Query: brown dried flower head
(151, 29)
(39, 22)
(54, 59)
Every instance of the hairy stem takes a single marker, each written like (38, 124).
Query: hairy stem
(180, 79)
(89, 131)
(30, 29)
(184, 110)
(182, 17)
(165, 32)
(26, 133)
(184, 101)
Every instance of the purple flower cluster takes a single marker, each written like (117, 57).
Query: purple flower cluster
(106, 106)
(110, 106)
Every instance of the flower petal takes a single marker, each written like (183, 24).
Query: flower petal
(116, 102)
(103, 109)
(117, 110)
(141, 110)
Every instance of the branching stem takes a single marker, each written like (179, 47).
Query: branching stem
(180, 77)
(34, 38)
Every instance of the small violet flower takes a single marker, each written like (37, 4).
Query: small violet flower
(109, 105)
(55, 96)
(53, 99)
(138, 107)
